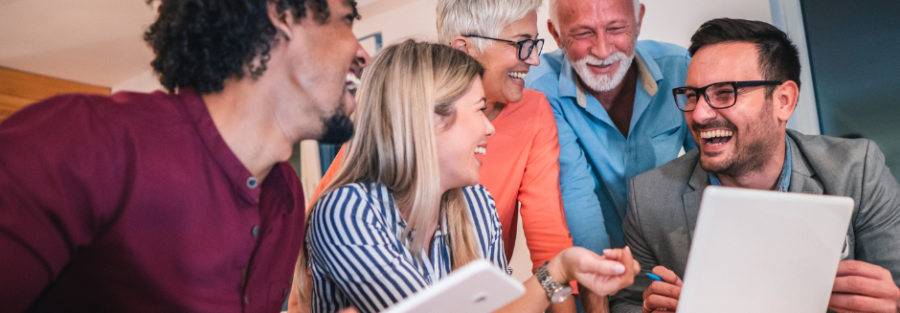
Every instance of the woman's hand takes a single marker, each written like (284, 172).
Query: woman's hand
(603, 275)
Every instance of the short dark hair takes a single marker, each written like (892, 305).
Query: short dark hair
(778, 57)
(200, 43)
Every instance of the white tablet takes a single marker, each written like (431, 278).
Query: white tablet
(764, 251)
(475, 288)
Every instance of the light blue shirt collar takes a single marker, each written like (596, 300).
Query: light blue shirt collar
(784, 181)
(649, 75)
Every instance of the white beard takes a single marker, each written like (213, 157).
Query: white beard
(602, 83)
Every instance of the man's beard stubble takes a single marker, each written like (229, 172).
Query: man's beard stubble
(338, 128)
(762, 140)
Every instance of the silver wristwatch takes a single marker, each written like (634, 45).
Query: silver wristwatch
(556, 292)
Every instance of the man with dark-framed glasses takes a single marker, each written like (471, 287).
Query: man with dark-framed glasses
(742, 86)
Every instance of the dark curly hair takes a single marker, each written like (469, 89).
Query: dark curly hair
(200, 43)
(778, 57)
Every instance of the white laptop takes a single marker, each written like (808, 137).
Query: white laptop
(478, 287)
(764, 251)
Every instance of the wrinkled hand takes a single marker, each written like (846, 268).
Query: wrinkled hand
(603, 275)
(662, 296)
(863, 287)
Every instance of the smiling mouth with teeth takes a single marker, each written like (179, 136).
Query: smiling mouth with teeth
(351, 82)
(716, 137)
(480, 150)
(517, 75)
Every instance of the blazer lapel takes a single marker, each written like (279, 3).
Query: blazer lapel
(803, 177)
(697, 183)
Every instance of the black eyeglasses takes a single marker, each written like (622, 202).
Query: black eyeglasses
(721, 95)
(525, 46)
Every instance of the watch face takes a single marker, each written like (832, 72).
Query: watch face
(561, 295)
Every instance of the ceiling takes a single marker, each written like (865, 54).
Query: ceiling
(97, 42)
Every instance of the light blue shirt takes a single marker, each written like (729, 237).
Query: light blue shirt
(784, 180)
(596, 160)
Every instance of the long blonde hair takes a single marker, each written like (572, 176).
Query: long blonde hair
(394, 141)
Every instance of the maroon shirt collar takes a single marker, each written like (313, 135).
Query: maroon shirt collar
(240, 178)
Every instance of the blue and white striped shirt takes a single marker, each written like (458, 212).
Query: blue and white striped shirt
(357, 256)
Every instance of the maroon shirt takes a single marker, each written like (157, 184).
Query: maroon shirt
(134, 203)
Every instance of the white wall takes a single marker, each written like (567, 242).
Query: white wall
(143, 82)
(675, 21)
(665, 20)
(398, 20)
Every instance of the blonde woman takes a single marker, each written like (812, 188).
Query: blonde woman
(404, 209)
(522, 169)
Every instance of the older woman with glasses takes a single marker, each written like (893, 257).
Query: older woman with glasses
(405, 209)
(523, 166)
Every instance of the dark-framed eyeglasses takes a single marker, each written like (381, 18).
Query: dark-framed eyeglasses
(525, 46)
(721, 95)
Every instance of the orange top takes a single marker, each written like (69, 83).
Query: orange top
(521, 165)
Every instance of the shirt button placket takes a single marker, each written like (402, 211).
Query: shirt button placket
(252, 183)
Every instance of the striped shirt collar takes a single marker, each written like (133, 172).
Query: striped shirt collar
(359, 257)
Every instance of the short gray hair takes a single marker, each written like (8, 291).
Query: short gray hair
(554, 16)
(479, 17)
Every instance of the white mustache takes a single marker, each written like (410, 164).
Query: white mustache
(603, 82)
(595, 61)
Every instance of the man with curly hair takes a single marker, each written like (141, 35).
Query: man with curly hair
(180, 201)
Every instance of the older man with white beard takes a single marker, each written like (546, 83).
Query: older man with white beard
(616, 118)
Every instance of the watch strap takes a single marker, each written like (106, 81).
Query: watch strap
(551, 287)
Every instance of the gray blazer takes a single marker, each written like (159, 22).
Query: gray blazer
(663, 205)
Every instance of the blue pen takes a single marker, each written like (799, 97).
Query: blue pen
(654, 277)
